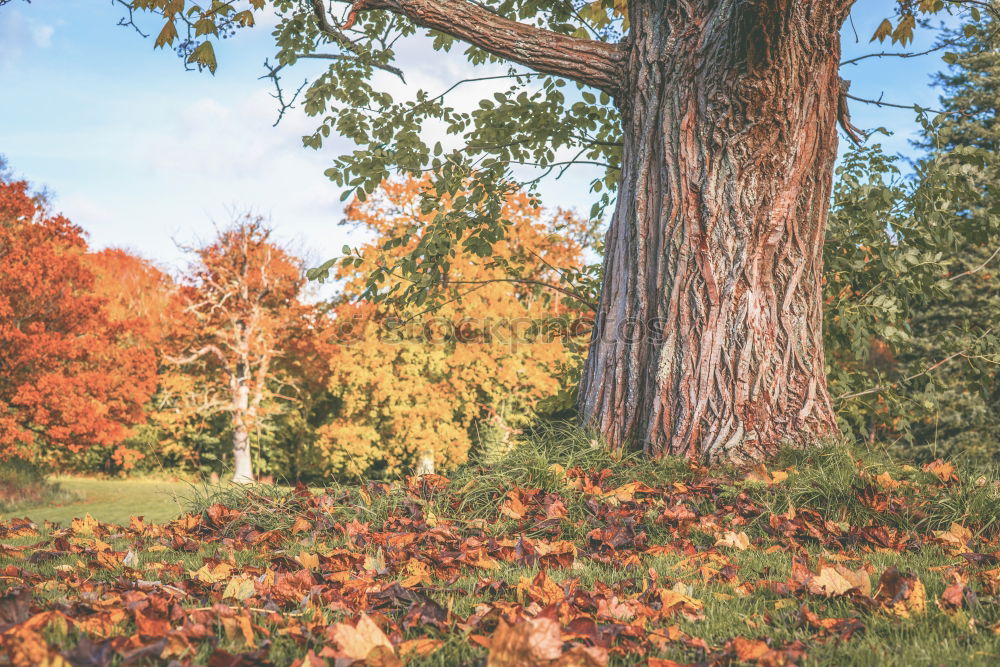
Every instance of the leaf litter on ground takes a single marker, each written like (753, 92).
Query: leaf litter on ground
(761, 566)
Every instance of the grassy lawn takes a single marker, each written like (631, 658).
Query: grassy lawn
(559, 555)
(112, 501)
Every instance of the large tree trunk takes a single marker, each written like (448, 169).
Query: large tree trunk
(708, 338)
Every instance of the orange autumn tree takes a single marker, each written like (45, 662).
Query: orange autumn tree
(417, 390)
(69, 376)
(139, 293)
(241, 312)
(135, 290)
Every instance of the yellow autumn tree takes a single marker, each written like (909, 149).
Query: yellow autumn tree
(418, 389)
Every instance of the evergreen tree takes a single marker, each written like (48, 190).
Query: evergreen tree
(960, 399)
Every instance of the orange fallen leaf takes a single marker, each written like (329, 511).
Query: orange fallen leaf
(419, 648)
(513, 507)
(750, 650)
(942, 470)
(301, 525)
(535, 641)
(886, 481)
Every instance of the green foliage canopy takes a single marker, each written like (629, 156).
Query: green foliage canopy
(534, 124)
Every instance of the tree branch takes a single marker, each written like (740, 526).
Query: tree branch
(342, 40)
(904, 54)
(911, 107)
(978, 268)
(525, 281)
(930, 369)
(590, 62)
(198, 354)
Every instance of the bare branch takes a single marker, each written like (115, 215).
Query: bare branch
(342, 40)
(129, 21)
(912, 107)
(978, 268)
(279, 93)
(905, 54)
(198, 354)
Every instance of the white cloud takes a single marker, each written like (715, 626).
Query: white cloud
(19, 34)
(42, 35)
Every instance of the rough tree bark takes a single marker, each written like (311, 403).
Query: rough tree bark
(708, 338)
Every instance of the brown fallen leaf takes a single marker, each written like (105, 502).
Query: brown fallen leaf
(954, 598)
(555, 509)
(901, 594)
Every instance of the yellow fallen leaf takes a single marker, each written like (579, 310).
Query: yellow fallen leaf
(375, 562)
(732, 539)
(85, 526)
(357, 642)
(239, 588)
(307, 560)
(886, 481)
(829, 582)
(956, 537)
(212, 575)
(417, 573)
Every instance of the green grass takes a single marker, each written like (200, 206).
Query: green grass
(111, 501)
(370, 535)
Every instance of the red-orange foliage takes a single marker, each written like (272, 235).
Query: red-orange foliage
(69, 378)
(137, 292)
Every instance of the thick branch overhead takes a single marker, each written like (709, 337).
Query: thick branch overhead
(591, 62)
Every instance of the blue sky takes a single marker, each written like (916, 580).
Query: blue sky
(143, 154)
